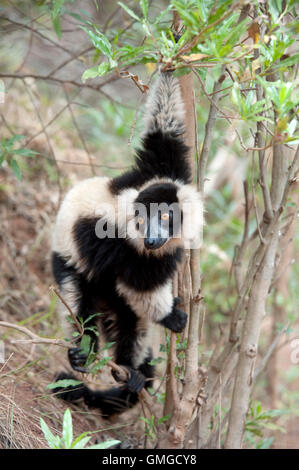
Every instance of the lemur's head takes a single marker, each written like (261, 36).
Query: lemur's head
(167, 214)
(158, 214)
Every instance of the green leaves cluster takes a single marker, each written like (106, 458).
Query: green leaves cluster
(159, 43)
(258, 420)
(248, 109)
(101, 45)
(10, 154)
(67, 441)
(152, 424)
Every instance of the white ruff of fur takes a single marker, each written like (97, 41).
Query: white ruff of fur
(149, 307)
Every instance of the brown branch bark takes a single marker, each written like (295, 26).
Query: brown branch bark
(257, 301)
(183, 409)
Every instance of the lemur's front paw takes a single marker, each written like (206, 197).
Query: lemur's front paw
(78, 359)
(176, 320)
(135, 382)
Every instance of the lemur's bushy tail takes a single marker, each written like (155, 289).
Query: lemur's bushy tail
(163, 153)
(164, 108)
(111, 401)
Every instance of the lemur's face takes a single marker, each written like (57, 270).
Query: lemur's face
(157, 214)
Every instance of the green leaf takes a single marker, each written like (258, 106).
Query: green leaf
(104, 445)
(146, 420)
(64, 383)
(162, 14)
(53, 441)
(57, 26)
(156, 361)
(96, 71)
(100, 364)
(25, 152)
(67, 429)
(108, 345)
(163, 419)
(292, 126)
(79, 439)
(275, 8)
(85, 343)
(294, 59)
(77, 17)
(236, 95)
(56, 7)
(15, 138)
(265, 443)
(100, 41)
(144, 7)
(91, 316)
(129, 11)
(81, 443)
(16, 169)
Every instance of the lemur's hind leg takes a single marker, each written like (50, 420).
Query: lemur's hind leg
(118, 399)
(78, 295)
(132, 351)
(114, 400)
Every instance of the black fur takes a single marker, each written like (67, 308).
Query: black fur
(110, 258)
(113, 400)
(157, 194)
(176, 320)
(162, 155)
(105, 299)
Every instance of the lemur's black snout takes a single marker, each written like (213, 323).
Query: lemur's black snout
(154, 243)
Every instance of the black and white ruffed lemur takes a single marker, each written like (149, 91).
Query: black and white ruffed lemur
(128, 278)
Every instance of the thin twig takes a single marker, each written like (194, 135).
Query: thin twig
(254, 202)
(269, 353)
(28, 90)
(62, 81)
(79, 131)
(75, 319)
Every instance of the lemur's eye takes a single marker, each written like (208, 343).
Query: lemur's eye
(140, 220)
(165, 216)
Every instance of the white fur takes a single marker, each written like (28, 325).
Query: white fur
(154, 305)
(71, 295)
(191, 205)
(85, 199)
(89, 198)
(142, 342)
(148, 306)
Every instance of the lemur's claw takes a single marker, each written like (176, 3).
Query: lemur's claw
(77, 359)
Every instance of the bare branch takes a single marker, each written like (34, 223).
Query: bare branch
(62, 81)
